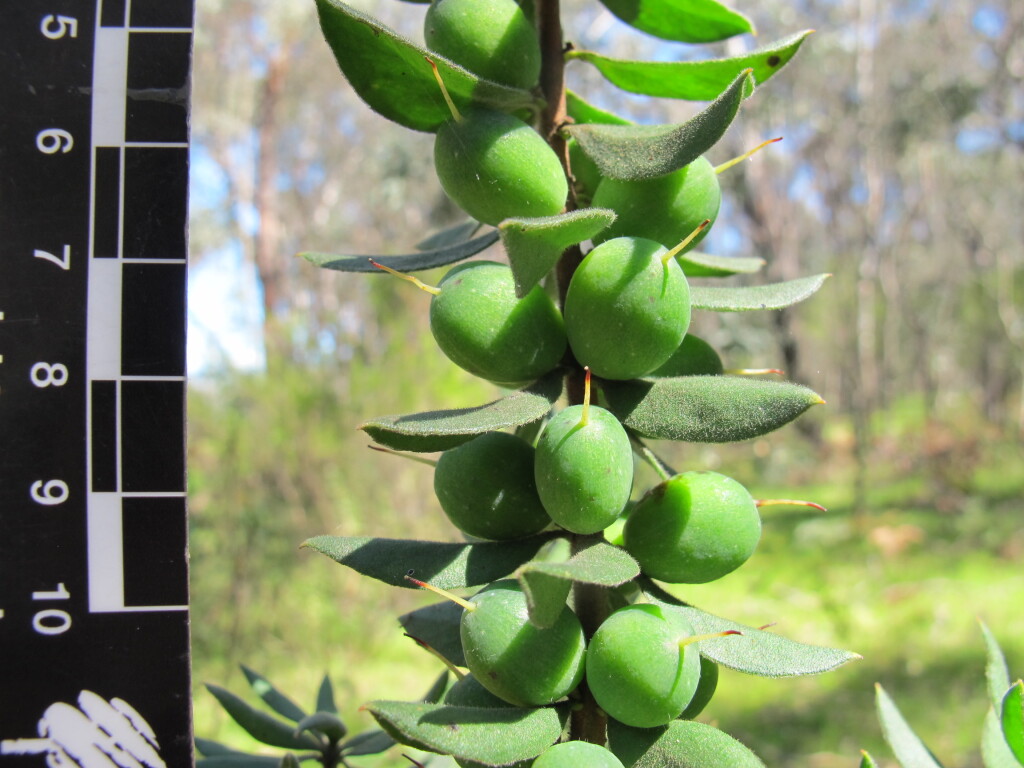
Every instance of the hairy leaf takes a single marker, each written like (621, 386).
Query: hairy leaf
(908, 748)
(546, 596)
(392, 76)
(438, 626)
(492, 736)
(997, 673)
(995, 752)
(448, 566)
(636, 152)
(706, 409)
(411, 262)
(680, 744)
(1013, 720)
(325, 701)
(274, 699)
(867, 761)
(692, 80)
(696, 264)
(441, 430)
(534, 245)
(753, 297)
(583, 111)
(367, 743)
(685, 21)
(260, 725)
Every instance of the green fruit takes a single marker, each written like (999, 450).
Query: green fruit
(705, 689)
(495, 166)
(665, 209)
(584, 472)
(515, 660)
(627, 308)
(637, 669)
(576, 754)
(693, 528)
(487, 489)
(491, 38)
(481, 326)
(694, 357)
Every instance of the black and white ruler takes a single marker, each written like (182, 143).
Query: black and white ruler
(94, 653)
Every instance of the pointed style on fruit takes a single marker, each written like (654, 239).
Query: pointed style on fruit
(584, 467)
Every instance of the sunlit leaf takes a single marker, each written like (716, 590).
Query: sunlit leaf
(410, 262)
(680, 744)
(582, 111)
(753, 297)
(261, 726)
(685, 21)
(995, 752)
(997, 673)
(697, 264)
(867, 761)
(636, 152)
(692, 80)
(274, 699)
(906, 745)
(1013, 720)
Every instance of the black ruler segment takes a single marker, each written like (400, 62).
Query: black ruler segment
(93, 249)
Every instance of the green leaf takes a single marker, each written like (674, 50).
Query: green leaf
(692, 80)
(696, 264)
(546, 596)
(534, 245)
(392, 76)
(583, 111)
(368, 743)
(441, 430)
(997, 673)
(1013, 720)
(680, 744)
(910, 751)
(238, 761)
(995, 752)
(635, 152)
(438, 689)
(754, 652)
(866, 760)
(260, 725)
(706, 409)
(492, 736)
(410, 262)
(753, 297)
(289, 761)
(325, 701)
(438, 626)
(274, 699)
(448, 566)
(685, 21)
(211, 748)
(327, 723)
(453, 235)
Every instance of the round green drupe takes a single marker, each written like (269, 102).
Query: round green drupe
(481, 326)
(705, 689)
(693, 528)
(694, 357)
(584, 472)
(491, 38)
(627, 308)
(495, 166)
(636, 668)
(576, 754)
(665, 209)
(515, 660)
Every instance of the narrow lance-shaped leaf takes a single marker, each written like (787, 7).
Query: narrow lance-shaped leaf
(325, 701)
(274, 699)
(239, 760)
(210, 748)
(453, 235)
(680, 744)
(410, 262)
(995, 752)
(368, 743)
(692, 80)
(326, 723)
(635, 152)
(685, 21)
(908, 748)
(392, 76)
(582, 111)
(260, 725)
(441, 430)
(449, 566)
(494, 736)
(438, 626)
(866, 760)
(535, 245)
(754, 297)
(706, 409)
(997, 673)
(697, 264)
(1013, 720)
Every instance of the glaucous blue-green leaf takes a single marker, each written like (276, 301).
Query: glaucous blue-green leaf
(692, 80)
(273, 698)
(1013, 720)
(492, 736)
(697, 264)
(866, 760)
(680, 744)
(409, 262)
(755, 651)
(747, 298)
(997, 673)
(995, 752)
(910, 751)
(261, 726)
(438, 689)
(327, 723)
(636, 152)
(367, 743)
(535, 245)
(325, 701)
(684, 21)
(448, 566)
(392, 75)
(211, 748)
(453, 235)
(239, 760)
(582, 111)
(706, 409)
(438, 626)
(289, 761)
(441, 430)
